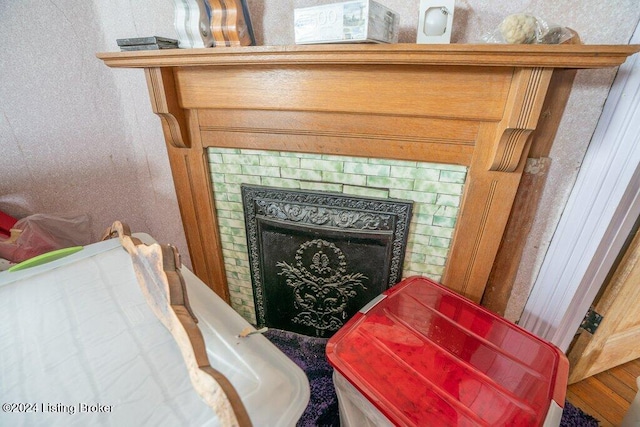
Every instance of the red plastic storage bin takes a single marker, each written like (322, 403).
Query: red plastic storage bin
(423, 355)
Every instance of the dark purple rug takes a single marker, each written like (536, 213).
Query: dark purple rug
(309, 354)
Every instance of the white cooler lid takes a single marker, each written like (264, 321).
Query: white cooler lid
(77, 335)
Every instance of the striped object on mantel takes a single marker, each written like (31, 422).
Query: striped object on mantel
(217, 23)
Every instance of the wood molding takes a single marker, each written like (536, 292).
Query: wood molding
(526, 97)
(164, 103)
(490, 55)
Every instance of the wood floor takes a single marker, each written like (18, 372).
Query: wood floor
(608, 395)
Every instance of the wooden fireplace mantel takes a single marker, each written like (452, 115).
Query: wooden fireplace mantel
(472, 105)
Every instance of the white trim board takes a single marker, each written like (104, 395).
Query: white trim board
(600, 213)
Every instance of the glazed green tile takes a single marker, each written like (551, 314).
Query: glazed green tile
(450, 189)
(447, 211)
(234, 254)
(404, 172)
(423, 219)
(442, 166)
(241, 159)
(426, 186)
(230, 206)
(214, 157)
(220, 196)
(239, 247)
(425, 208)
(386, 182)
(439, 242)
(217, 177)
(235, 197)
(322, 165)
(343, 178)
(226, 231)
(424, 268)
(428, 259)
(429, 230)
(231, 271)
(379, 193)
(444, 221)
(223, 213)
(335, 158)
(281, 162)
(390, 162)
(252, 152)
(434, 260)
(422, 247)
(416, 257)
(418, 197)
(300, 155)
(238, 232)
(226, 238)
(301, 174)
(226, 187)
(261, 170)
(448, 200)
(226, 168)
(279, 182)
(239, 239)
(222, 150)
(366, 169)
(246, 291)
(242, 179)
(242, 263)
(239, 215)
(453, 177)
(321, 186)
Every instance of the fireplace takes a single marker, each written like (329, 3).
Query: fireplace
(434, 190)
(318, 257)
(472, 106)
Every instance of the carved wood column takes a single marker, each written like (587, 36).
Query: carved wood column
(190, 171)
(492, 183)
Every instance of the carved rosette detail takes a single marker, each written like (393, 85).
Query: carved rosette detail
(321, 285)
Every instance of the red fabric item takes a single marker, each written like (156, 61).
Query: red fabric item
(6, 223)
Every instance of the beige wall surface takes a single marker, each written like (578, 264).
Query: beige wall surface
(78, 137)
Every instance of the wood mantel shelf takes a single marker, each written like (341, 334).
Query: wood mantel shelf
(471, 105)
(491, 55)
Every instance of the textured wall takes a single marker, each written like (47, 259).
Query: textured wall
(79, 137)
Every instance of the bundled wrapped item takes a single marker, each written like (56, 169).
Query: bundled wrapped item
(41, 233)
(521, 28)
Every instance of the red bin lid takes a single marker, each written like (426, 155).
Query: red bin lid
(427, 356)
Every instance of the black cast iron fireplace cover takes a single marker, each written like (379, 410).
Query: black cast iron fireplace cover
(316, 258)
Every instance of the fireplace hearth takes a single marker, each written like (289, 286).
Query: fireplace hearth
(316, 257)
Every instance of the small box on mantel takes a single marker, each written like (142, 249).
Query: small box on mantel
(347, 22)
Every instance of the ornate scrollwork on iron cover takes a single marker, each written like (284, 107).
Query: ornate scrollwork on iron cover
(321, 285)
(330, 217)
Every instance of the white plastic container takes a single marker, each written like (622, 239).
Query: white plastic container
(78, 335)
(346, 22)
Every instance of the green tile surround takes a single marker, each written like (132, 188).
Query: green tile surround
(435, 189)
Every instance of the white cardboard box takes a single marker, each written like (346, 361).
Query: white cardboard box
(346, 22)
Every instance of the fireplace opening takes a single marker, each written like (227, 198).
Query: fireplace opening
(316, 258)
